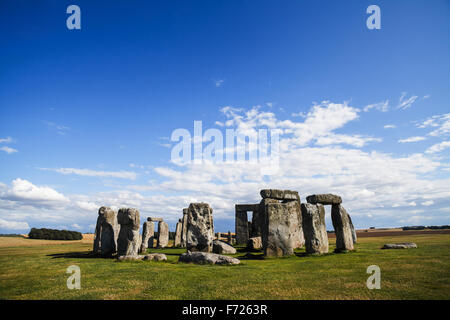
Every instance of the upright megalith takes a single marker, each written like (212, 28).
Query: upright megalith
(106, 232)
(128, 241)
(200, 228)
(314, 229)
(148, 231)
(342, 228)
(184, 228)
(163, 234)
(281, 223)
(243, 227)
(178, 231)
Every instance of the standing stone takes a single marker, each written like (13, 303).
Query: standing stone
(184, 230)
(314, 229)
(200, 231)
(128, 242)
(148, 231)
(163, 234)
(341, 224)
(241, 226)
(178, 231)
(277, 237)
(106, 232)
(229, 238)
(353, 229)
(296, 227)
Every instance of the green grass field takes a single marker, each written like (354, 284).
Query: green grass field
(39, 272)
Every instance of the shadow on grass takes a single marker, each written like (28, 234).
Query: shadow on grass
(82, 255)
(252, 256)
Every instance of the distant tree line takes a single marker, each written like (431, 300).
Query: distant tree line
(425, 227)
(53, 234)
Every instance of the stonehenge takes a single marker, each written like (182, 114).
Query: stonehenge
(200, 228)
(106, 232)
(128, 241)
(280, 223)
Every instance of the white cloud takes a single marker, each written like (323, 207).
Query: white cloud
(8, 150)
(427, 203)
(92, 173)
(13, 225)
(6, 140)
(412, 139)
(86, 205)
(60, 129)
(380, 106)
(438, 147)
(24, 191)
(390, 126)
(441, 123)
(218, 83)
(405, 103)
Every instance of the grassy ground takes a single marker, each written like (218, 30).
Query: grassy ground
(39, 272)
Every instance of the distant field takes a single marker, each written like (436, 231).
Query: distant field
(38, 271)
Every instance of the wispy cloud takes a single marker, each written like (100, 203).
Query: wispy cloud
(218, 83)
(93, 173)
(412, 139)
(6, 140)
(438, 147)
(390, 126)
(60, 129)
(405, 103)
(8, 150)
(380, 106)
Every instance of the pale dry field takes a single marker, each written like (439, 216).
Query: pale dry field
(22, 242)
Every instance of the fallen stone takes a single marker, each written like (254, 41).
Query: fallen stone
(155, 257)
(222, 247)
(324, 199)
(130, 257)
(314, 229)
(404, 245)
(279, 194)
(128, 241)
(200, 230)
(254, 243)
(207, 258)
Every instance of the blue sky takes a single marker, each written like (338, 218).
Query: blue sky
(86, 115)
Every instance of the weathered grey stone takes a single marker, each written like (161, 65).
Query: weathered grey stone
(404, 245)
(178, 230)
(352, 228)
(342, 229)
(200, 230)
(222, 247)
(229, 238)
(106, 232)
(324, 199)
(130, 257)
(128, 241)
(155, 257)
(163, 234)
(148, 232)
(207, 258)
(254, 243)
(279, 194)
(184, 230)
(277, 237)
(241, 226)
(155, 219)
(314, 229)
